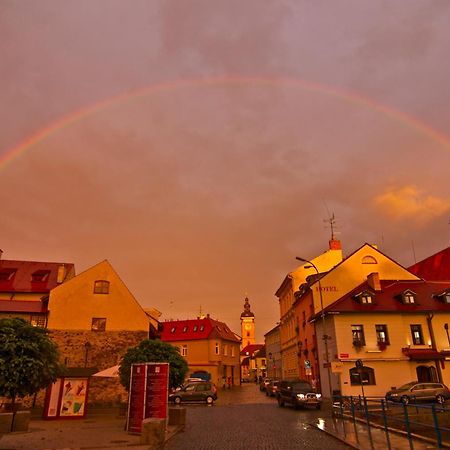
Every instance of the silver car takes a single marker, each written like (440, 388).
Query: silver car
(419, 392)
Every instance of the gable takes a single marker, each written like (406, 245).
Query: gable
(75, 303)
(353, 271)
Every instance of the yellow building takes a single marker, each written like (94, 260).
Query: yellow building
(94, 319)
(323, 292)
(289, 321)
(208, 346)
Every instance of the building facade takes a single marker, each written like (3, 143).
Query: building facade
(208, 346)
(273, 353)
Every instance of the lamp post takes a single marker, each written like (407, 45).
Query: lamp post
(325, 337)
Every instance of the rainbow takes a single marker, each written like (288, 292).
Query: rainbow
(348, 96)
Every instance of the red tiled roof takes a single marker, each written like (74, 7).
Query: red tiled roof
(251, 349)
(387, 300)
(14, 306)
(196, 329)
(21, 275)
(434, 268)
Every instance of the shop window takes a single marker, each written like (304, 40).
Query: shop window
(101, 287)
(98, 324)
(364, 375)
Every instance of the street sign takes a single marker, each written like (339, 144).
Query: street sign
(343, 355)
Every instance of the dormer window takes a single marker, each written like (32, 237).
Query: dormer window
(202, 327)
(195, 327)
(408, 297)
(40, 276)
(185, 328)
(101, 287)
(173, 329)
(444, 296)
(7, 274)
(365, 297)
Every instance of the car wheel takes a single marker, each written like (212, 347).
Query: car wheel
(440, 399)
(318, 406)
(280, 402)
(177, 400)
(267, 394)
(405, 399)
(209, 400)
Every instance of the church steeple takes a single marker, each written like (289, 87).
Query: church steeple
(247, 325)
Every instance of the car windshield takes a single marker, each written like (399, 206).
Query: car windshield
(407, 386)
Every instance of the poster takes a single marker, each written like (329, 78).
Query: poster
(73, 397)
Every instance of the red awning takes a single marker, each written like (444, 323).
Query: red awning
(423, 354)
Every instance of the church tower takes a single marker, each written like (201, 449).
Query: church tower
(247, 325)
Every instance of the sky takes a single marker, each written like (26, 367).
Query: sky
(200, 146)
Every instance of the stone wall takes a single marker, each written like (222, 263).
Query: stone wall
(105, 349)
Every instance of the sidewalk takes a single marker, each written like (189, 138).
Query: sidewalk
(359, 436)
(94, 432)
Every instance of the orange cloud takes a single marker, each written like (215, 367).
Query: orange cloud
(409, 202)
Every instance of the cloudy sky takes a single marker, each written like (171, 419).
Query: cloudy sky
(200, 145)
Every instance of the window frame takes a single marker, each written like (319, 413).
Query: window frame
(382, 328)
(358, 334)
(101, 324)
(101, 287)
(362, 376)
(418, 328)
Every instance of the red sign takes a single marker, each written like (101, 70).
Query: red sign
(157, 391)
(343, 355)
(136, 398)
(149, 383)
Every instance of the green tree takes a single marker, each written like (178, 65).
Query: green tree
(154, 351)
(29, 359)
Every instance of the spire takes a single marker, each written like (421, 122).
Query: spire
(247, 312)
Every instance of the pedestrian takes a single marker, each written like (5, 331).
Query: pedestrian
(229, 383)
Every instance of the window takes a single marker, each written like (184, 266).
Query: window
(40, 276)
(416, 333)
(195, 327)
(217, 348)
(98, 324)
(173, 329)
(225, 350)
(364, 375)
(7, 274)
(37, 321)
(358, 335)
(368, 260)
(185, 328)
(365, 297)
(202, 327)
(101, 287)
(444, 296)
(382, 334)
(184, 350)
(408, 297)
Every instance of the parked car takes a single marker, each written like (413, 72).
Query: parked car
(199, 391)
(419, 392)
(272, 388)
(298, 393)
(263, 384)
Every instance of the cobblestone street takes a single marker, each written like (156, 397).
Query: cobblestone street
(245, 418)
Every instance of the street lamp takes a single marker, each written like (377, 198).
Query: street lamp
(325, 337)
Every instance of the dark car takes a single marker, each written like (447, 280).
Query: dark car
(198, 391)
(298, 393)
(272, 388)
(419, 392)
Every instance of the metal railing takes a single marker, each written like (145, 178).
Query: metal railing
(430, 422)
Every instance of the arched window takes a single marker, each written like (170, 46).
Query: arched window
(364, 375)
(101, 287)
(369, 260)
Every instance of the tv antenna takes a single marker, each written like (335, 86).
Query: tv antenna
(331, 222)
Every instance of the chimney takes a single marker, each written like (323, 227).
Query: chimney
(334, 244)
(373, 280)
(61, 274)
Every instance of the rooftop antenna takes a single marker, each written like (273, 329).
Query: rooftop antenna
(331, 222)
(414, 251)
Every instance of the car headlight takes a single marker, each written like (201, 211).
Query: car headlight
(318, 395)
(301, 396)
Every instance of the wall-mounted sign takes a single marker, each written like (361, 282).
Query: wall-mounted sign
(343, 355)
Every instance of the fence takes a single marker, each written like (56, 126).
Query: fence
(429, 421)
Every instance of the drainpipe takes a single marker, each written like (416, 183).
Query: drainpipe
(433, 345)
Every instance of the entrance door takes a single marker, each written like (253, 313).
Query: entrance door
(426, 374)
